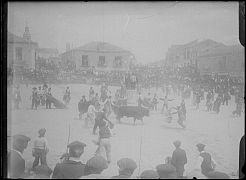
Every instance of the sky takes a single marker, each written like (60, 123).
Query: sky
(147, 29)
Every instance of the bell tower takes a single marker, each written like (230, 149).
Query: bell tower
(27, 35)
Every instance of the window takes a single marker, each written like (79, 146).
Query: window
(18, 54)
(118, 61)
(101, 62)
(85, 60)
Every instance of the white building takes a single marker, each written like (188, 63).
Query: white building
(21, 51)
(101, 56)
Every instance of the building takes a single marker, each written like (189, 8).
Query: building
(209, 57)
(21, 51)
(100, 56)
(47, 53)
(179, 55)
(223, 60)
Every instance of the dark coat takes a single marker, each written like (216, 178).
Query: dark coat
(16, 165)
(179, 159)
(68, 170)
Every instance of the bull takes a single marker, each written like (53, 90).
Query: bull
(136, 112)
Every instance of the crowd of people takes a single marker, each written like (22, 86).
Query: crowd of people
(71, 167)
(184, 82)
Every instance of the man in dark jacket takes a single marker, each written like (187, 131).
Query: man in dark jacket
(179, 159)
(100, 117)
(71, 168)
(16, 162)
(207, 165)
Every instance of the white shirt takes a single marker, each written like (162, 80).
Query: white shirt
(40, 143)
(91, 109)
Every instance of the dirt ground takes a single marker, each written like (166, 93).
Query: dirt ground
(220, 132)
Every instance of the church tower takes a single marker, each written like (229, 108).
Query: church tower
(27, 35)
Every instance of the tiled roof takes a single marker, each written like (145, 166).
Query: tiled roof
(101, 47)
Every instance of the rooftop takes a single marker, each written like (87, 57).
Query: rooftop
(98, 46)
(48, 50)
(12, 38)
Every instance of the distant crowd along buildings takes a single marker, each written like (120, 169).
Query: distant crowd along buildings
(209, 57)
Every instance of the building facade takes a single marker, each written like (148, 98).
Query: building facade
(47, 53)
(223, 60)
(21, 51)
(179, 55)
(208, 56)
(100, 56)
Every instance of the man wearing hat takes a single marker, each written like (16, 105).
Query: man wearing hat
(17, 97)
(94, 167)
(71, 168)
(167, 170)
(207, 165)
(16, 162)
(126, 168)
(149, 174)
(34, 98)
(81, 106)
(179, 159)
(40, 148)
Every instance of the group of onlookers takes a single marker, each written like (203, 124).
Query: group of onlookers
(71, 166)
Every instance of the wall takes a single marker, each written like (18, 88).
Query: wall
(233, 63)
(28, 54)
(93, 58)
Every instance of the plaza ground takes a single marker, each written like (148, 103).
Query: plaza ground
(220, 132)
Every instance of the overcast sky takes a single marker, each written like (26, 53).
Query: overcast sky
(147, 29)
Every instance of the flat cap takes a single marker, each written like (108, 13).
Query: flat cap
(127, 163)
(20, 137)
(42, 169)
(165, 168)
(42, 131)
(200, 146)
(177, 143)
(75, 144)
(97, 162)
(149, 174)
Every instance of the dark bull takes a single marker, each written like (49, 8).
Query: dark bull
(130, 111)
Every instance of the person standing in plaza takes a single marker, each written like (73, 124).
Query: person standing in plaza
(48, 102)
(179, 159)
(40, 148)
(165, 104)
(104, 140)
(17, 97)
(101, 116)
(34, 98)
